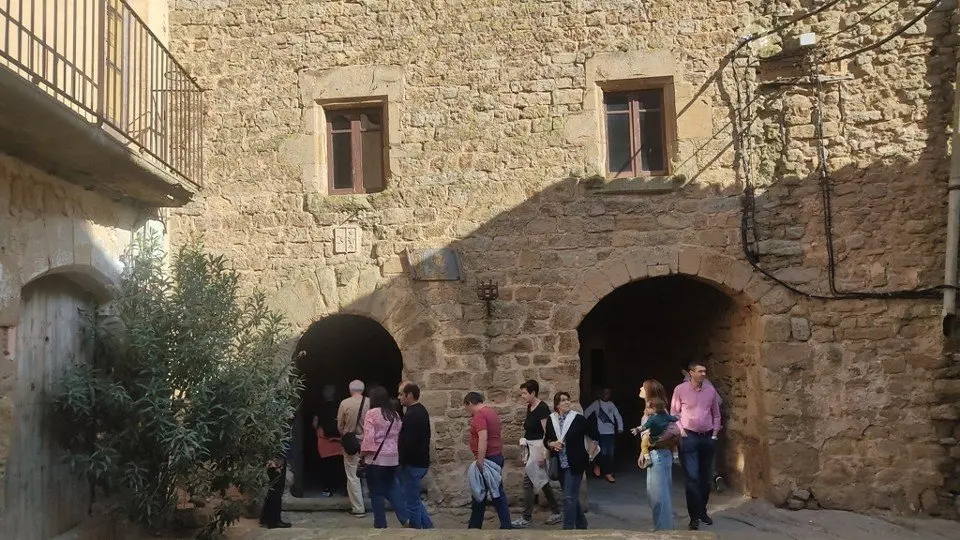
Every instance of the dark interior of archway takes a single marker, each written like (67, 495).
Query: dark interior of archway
(339, 349)
(647, 329)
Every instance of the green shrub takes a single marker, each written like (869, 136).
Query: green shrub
(185, 395)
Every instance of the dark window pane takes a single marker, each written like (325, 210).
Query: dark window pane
(618, 143)
(342, 156)
(372, 152)
(616, 102)
(649, 99)
(338, 122)
(370, 120)
(651, 141)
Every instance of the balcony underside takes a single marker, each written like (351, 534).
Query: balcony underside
(40, 130)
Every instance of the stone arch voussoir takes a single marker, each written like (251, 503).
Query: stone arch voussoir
(733, 277)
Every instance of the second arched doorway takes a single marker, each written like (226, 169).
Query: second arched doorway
(336, 350)
(651, 329)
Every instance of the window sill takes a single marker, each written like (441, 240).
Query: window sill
(642, 185)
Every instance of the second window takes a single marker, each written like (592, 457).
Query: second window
(636, 133)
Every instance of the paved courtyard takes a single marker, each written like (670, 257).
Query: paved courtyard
(620, 511)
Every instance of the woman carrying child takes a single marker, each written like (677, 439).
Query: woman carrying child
(656, 454)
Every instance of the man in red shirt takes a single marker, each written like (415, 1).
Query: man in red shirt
(486, 444)
(697, 405)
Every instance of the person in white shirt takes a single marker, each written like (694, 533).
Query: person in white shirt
(609, 423)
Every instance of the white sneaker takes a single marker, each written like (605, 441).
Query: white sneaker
(520, 523)
(554, 519)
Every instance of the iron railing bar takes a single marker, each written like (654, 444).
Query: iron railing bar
(101, 58)
(33, 24)
(158, 41)
(43, 37)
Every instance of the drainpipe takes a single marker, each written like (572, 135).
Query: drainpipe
(953, 217)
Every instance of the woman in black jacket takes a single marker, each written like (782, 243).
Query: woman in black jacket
(566, 438)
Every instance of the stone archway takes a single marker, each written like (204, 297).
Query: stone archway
(728, 337)
(332, 352)
(42, 496)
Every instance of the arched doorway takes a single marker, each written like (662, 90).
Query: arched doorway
(43, 497)
(651, 329)
(338, 349)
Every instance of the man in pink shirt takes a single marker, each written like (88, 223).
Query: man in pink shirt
(697, 405)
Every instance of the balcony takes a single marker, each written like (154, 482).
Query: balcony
(90, 94)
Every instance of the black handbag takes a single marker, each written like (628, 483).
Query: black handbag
(553, 468)
(349, 441)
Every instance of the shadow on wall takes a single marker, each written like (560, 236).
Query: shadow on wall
(561, 250)
(566, 247)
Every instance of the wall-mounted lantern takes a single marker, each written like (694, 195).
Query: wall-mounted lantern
(488, 292)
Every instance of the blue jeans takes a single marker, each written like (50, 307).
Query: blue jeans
(573, 516)
(605, 459)
(659, 478)
(696, 458)
(383, 484)
(410, 478)
(477, 509)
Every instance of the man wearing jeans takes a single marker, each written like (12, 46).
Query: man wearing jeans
(697, 405)
(485, 443)
(414, 447)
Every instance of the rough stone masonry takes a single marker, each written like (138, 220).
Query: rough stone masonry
(495, 148)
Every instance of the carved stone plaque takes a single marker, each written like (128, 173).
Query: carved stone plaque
(441, 264)
(346, 239)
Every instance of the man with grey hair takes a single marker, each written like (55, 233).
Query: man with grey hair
(350, 420)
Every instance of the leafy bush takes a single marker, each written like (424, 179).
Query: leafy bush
(185, 396)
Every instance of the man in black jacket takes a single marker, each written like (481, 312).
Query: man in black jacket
(414, 448)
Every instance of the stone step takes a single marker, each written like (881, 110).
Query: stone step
(336, 503)
(477, 534)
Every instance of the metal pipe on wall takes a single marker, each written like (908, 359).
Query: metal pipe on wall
(953, 216)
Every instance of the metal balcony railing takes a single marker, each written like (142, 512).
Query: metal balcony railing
(100, 59)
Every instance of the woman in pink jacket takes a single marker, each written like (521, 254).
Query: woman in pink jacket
(381, 427)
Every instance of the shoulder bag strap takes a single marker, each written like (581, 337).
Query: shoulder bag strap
(385, 435)
(359, 414)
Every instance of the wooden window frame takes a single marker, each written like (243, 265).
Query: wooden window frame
(356, 145)
(667, 118)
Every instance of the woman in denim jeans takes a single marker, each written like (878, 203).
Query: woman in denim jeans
(381, 427)
(568, 436)
(660, 470)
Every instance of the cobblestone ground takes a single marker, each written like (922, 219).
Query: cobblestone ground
(623, 507)
(747, 520)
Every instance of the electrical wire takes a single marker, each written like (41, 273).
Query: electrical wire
(783, 26)
(933, 5)
(859, 21)
(748, 209)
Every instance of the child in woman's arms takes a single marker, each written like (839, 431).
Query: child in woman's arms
(657, 422)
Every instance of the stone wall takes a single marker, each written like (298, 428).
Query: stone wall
(49, 227)
(493, 149)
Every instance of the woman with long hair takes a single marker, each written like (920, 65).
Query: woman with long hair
(569, 437)
(381, 427)
(660, 469)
